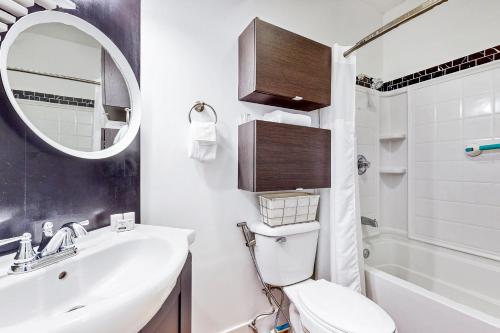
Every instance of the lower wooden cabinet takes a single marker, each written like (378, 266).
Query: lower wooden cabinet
(276, 157)
(174, 315)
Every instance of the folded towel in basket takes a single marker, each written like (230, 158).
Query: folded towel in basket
(279, 116)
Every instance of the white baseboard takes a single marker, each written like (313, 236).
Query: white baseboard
(264, 325)
(241, 328)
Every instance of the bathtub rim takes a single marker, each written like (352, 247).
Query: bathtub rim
(443, 300)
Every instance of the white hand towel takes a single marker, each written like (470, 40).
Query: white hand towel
(279, 116)
(202, 141)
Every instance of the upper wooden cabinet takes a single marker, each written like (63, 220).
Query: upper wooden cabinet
(278, 67)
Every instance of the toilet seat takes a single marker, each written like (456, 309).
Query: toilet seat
(326, 307)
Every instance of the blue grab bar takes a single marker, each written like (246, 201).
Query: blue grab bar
(479, 149)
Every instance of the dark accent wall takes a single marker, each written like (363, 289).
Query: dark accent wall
(38, 183)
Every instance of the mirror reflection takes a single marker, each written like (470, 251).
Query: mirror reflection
(69, 87)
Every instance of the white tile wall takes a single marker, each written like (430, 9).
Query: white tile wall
(455, 199)
(71, 126)
(367, 105)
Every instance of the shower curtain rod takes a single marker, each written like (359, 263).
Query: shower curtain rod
(417, 11)
(57, 76)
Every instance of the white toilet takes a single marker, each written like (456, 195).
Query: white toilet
(286, 256)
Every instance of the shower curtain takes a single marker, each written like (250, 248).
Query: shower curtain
(339, 249)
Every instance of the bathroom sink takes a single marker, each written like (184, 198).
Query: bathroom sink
(116, 283)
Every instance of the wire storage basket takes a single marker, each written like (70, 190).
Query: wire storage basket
(288, 208)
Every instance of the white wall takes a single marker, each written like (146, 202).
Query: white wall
(452, 30)
(189, 52)
(55, 56)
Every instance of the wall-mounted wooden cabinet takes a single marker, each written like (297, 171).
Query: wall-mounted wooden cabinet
(275, 157)
(278, 67)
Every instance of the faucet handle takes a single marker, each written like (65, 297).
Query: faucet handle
(25, 236)
(84, 223)
(25, 252)
(48, 229)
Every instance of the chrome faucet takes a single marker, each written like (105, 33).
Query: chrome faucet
(53, 247)
(62, 240)
(368, 221)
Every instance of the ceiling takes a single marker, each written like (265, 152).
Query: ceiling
(384, 5)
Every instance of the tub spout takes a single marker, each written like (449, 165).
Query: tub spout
(368, 221)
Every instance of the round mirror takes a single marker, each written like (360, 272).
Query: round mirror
(70, 84)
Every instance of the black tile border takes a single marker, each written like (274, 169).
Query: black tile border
(450, 67)
(54, 99)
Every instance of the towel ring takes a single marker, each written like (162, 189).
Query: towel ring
(200, 107)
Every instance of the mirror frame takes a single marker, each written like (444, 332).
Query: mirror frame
(121, 62)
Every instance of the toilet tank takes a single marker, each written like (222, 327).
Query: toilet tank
(285, 254)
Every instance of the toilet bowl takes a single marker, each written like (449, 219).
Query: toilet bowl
(324, 307)
(285, 256)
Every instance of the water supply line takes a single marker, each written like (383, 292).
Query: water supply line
(267, 289)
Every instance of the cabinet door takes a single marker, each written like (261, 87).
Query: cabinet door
(276, 157)
(114, 89)
(291, 65)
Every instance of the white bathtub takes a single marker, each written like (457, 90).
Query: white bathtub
(428, 289)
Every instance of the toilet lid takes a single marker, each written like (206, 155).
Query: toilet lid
(338, 307)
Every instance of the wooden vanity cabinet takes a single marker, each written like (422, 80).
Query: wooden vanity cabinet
(276, 157)
(278, 67)
(174, 316)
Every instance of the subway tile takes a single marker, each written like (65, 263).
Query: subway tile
(425, 77)
(408, 77)
(484, 60)
(452, 70)
(476, 55)
(459, 61)
(478, 83)
(425, 133)
(424, 96)
(450, 110)
(437, 74)
(497, 102)
(490, 51)
(446, 65)
(432, 70)
(478, 105)
(449, 130)
(467, 65)
(425, 114)
(496, 127)
(478, 128)
(67, 128)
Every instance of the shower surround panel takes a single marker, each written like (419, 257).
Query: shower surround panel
(454, 200)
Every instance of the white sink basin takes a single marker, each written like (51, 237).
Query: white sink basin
(116, 283)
